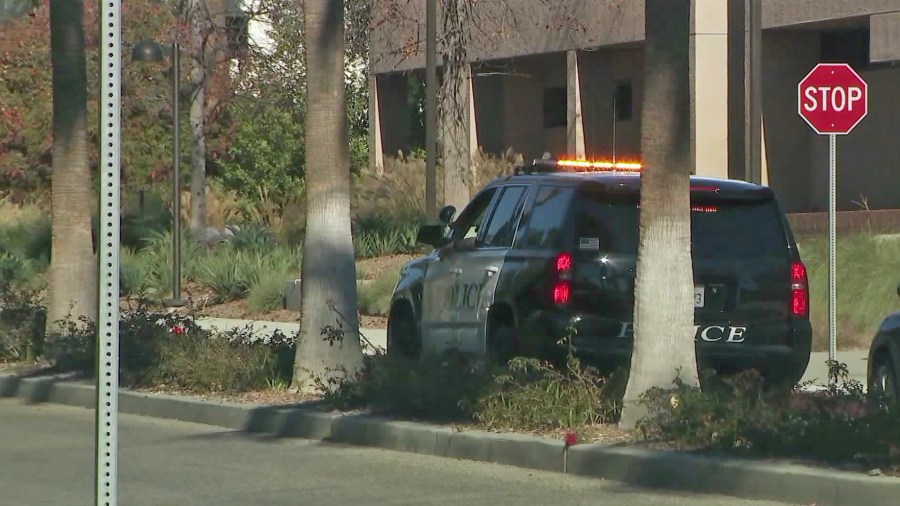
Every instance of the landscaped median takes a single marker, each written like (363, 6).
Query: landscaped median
(630, 463)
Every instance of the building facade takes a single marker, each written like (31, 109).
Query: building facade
(566, 77)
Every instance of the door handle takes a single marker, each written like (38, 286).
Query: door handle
(457, 271)
(491, 270)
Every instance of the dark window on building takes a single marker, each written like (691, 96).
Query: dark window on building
(845, 46)
(623, 101)
(555, 103)
(547, 218)
(502, 227)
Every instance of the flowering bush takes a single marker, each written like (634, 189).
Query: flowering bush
(742, 415)
(168, 349)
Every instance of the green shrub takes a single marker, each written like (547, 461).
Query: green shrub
(438, 387)
(211, 364)
(533, 395)
(141, 220)
(133, 273)
(158, 255)
(267, 293)
(170, 350)
(741, 415)
(230, 273)
(22, 322)
(252, 237)
(375, 297)
(225, 273)
(868, 270)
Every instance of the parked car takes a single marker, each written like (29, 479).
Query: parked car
(884, 358)
(555, 245)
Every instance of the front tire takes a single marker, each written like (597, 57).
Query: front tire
(884, 380)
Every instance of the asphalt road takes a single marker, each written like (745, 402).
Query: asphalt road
(46, 459)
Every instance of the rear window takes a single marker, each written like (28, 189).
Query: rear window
(718, 230)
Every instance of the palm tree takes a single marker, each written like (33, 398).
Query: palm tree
(73, 265)
(198, 17)
(663, 313)
(329, 270)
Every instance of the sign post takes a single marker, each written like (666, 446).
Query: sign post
(832, 99)
(107, 430)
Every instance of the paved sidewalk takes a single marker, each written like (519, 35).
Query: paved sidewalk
(262, 328)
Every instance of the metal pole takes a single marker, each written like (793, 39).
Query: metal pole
(431, 110)
(755, 99)
(176, 177)
(107, 430)
(832, 240)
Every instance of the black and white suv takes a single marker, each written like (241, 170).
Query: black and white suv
(555, 245)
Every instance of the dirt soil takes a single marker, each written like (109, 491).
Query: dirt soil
(372, 268)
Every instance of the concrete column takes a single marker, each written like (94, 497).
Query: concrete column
(376, 148)
(574, 116)
(746, 148)
(709, 87)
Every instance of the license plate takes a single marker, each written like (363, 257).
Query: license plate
(699, 296)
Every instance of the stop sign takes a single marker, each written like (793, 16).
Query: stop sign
(832, 98)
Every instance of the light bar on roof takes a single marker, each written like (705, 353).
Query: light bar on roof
(599, 166)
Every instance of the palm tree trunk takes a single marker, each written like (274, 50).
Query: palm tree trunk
(198, 18)
(664, 312)
(73, 265)
(328, 294)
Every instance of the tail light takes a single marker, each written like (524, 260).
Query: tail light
(562, 287)
(799, 290)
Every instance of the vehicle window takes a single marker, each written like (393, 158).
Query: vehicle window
(468, 224)
(547, 217)
(501, 228)
(739, 231)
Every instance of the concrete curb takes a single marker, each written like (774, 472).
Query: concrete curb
(644, 468)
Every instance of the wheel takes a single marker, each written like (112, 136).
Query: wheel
(884, 381)
(403, 334)
(503, 343)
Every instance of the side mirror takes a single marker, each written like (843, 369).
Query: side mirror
(432, 235)
(446, 214)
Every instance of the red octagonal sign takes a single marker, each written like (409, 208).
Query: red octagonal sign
(832, 98)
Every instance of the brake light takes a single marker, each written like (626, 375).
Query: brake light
(561, 293)
(562, 288)
(705, 209)
(799, 290)
(704, 188)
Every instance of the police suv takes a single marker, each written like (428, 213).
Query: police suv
(555, 245)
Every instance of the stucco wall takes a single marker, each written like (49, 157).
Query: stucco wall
(511, 28)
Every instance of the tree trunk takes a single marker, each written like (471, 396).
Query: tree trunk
(73, 265)
(664, 310)
(328, 294)
(198, 20)
(454, 114)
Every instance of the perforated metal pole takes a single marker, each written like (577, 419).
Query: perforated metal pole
(832, 243)
(108, 322)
